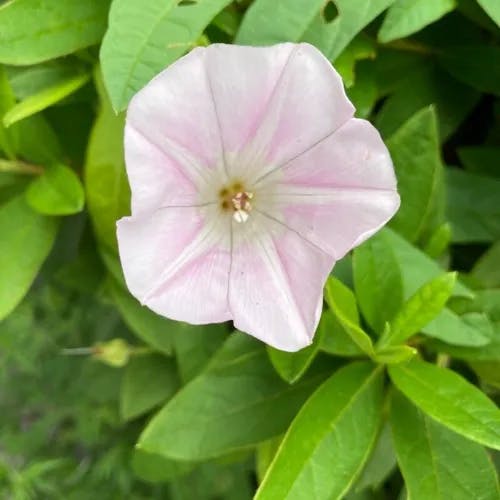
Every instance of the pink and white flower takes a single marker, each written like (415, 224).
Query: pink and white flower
(250, 178)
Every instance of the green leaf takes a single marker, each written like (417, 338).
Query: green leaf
(482, 160)
(334, 338)
(210, 416)
(342, 303)
(148, 381)
(487, 268)
(436, 462)
(34, 31)
(406, 17)
(329, 441)
(416, 267)
(58, 191)
(467, 330)
(290, 366)
(474, 65)
(438, 241)
(195, 347)
(264, 456)
(416, 84)
(45, 98)
(394, 354)
(472, 207)
(381, 463)
(156, 331)
(157, 469)
(377, 281)
(419, 310)
(353, 15)
(415, 151)
(492, 7)
(27, 238)
(141, 42)
(7, 100)
(266, 23)
(449, 399)
(106, 186)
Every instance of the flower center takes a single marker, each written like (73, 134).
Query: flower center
(237, 199)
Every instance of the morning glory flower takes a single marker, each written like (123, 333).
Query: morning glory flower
(250, 178)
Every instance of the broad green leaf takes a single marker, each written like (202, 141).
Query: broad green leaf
(474, 65)
(486, 302)
(416, 267)
(106, 185)
(419, 310)
(361, 48)
(210, 416)
(58, 191)
(334, 338)
(449, 399)
(415, 84)
(406, 17)
(482, 160)
(377, 281)
(364, 93)
(156, 331)
(492, 7)
(342, 302)
(264, 456)
(36, 140)
(34, 31)
(45, 98)
(381, 463)
(195, 347)
(148, 381)
(415, 151)
(472, 207)
(290, 366)
(436, 462)
(353, 15)
(329, 441)
(7, 100)
(157, 469)
(266, 23)
(141, 42)
(466, 330)
(487, 268)
(27, 238)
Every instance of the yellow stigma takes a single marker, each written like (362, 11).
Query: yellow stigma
(237, 199)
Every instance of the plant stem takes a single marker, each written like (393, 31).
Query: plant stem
(20, 167)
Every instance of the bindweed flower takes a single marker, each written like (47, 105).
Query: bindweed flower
(250, 178)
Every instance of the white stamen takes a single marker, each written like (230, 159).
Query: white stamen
(240, 215)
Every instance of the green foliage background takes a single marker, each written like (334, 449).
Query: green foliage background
(101, 398)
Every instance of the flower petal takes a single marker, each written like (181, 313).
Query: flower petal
(276, 285)
(308, 104)
(340, 192)
(156, 179)
(176, 264)
(175, 113)
(243, 81)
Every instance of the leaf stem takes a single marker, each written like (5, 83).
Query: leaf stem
(20, 167)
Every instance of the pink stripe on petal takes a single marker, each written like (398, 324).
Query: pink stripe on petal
(156, 179)
(175, 111)
(172, 262)
(276, 286)
(309, 104)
